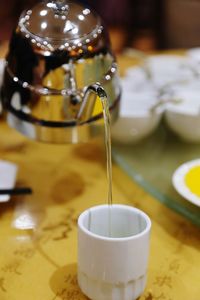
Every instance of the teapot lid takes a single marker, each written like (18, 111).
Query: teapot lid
(60, 25)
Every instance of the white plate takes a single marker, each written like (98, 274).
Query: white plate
(8, 173)
(178, 180)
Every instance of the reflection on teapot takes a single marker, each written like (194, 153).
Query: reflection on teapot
(57, 51)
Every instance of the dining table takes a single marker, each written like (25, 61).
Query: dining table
(38, 232)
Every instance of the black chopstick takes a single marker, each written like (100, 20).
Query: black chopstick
(16, 191)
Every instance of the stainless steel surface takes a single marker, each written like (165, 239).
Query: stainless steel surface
(58, 49)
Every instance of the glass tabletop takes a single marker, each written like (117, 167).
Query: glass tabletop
(152, 162)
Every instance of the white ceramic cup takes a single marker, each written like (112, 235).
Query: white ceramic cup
(113, 248)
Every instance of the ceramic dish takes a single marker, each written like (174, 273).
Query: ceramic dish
(179, 182)
(8, 173)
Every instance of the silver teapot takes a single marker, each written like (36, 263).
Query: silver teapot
(58, 66)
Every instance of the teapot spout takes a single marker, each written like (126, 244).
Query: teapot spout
(87, 106)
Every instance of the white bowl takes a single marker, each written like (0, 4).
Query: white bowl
(135, 128)
(184, 117)
(194, 54)
(136, 119)
(186, 126)
(167, 69)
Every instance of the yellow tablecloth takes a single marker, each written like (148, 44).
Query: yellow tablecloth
(38, 233)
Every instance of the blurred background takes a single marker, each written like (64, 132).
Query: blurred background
(140, 24)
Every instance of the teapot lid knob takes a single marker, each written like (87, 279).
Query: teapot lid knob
(60, 8)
